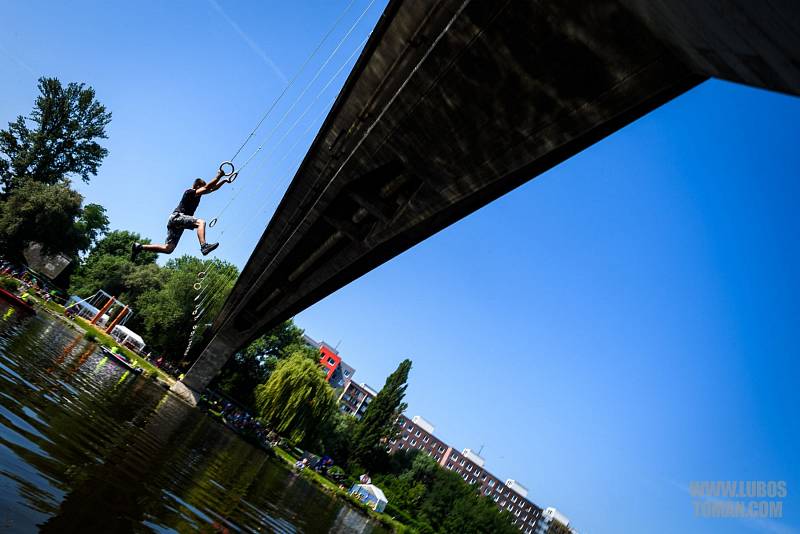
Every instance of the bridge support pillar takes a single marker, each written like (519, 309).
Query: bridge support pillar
(207, 366)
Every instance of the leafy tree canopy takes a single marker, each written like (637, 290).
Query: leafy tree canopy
(58, 139)
(297, 401)
(50, 215)
(254, 365)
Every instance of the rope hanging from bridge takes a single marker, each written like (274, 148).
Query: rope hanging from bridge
(358, 145)
(291, 82)
(269, 196)
(231, 174)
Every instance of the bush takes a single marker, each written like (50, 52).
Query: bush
(90, 336)
(336, 473)
(9, 284)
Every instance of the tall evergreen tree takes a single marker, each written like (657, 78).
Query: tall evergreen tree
(378, 422)
(58, 139)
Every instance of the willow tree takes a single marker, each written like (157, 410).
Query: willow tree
(296, 401)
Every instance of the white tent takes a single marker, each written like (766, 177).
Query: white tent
(371, 495)
(126, 336)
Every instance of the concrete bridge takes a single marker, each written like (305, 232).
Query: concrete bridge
(454, 103)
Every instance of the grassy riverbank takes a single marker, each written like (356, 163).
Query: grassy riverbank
(331, 488)
(148, 369)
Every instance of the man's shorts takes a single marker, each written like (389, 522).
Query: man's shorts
(176, 224)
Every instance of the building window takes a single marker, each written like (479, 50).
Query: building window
(469, 468)
(449, 465)
(331, 361)
(517, 513)
(496, 498)
(441, 449)
(461, 462)
(487, 491)
(477, 472)
(425, 439)
(400, 446)
(414, 442)
(346, 373)
(405, 437)
(417, 433)
(410, 427)
(513, 498)
(454, 457)
(490, 483)
(437, 457)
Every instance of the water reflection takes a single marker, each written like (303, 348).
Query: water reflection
(86, 446)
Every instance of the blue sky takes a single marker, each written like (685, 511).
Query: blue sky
(620, 326)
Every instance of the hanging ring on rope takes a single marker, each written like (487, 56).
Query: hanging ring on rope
(231, 177)
(198, 286)
(212, 223)
(201, 275)
(221, 165)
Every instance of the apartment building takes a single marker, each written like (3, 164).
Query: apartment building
(549, 516)
(337, 372)
(355, 398)
(417, 433)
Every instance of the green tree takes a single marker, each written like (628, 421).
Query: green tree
(50, 215)
(254, 365)
(58, 138)
(557, 527)
(108, 267)
(378, 423)
(433, 499)
(297, 401)
(338, 435)
(167, 312)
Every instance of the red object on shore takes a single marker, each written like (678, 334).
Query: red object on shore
(16, 301)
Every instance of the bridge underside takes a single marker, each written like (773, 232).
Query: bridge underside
(453, 104)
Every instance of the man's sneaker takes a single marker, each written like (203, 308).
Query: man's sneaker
(136, 248)
(208, 247)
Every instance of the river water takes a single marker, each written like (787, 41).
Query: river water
(85, 447)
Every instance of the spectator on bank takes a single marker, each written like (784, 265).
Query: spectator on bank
(301, 464)
(364, 479)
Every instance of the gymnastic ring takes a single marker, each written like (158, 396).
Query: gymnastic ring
(212, 223)
(232, 177)
(201, 275)
(198, 286)
(221, 165)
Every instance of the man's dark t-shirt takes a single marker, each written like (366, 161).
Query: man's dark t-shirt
(189, 202)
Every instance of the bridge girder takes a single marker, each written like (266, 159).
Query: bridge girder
(453, 104)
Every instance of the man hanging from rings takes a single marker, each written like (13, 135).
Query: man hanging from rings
(183, 218)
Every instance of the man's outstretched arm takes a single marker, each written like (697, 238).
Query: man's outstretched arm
(213, 185)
